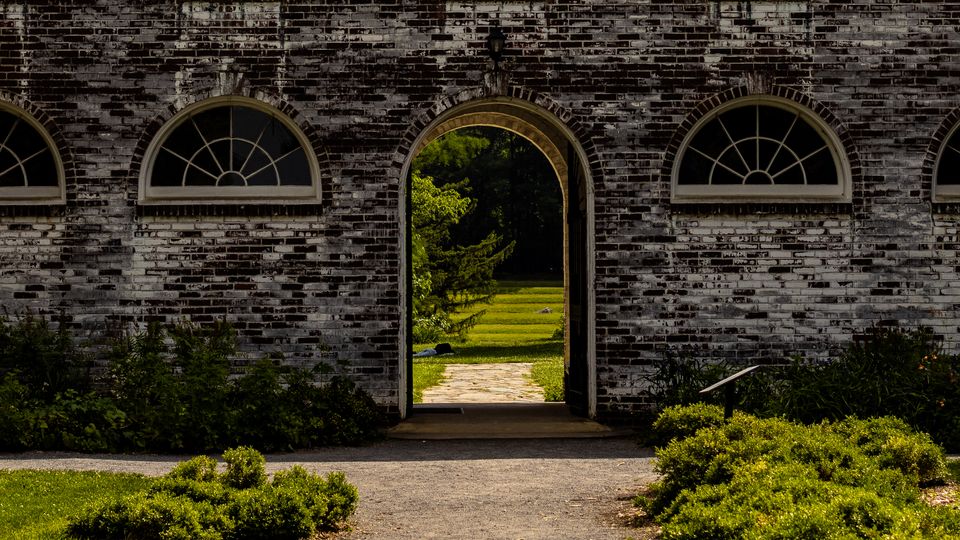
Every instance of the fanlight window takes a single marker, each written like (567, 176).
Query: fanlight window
(947, 175)
(232, 151)
(760, 149)
(30, 168)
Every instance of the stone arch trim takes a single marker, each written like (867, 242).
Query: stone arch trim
(173, 109)
(62, 147)
(705, 107)
(514, 95)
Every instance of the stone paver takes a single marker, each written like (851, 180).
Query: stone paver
(485, 383)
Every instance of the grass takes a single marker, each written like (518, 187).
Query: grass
(512, 330)
(37, 504)
(426, 375)
(548, 374)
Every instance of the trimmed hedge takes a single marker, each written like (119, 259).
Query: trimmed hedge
(771, 478)
(194, 502)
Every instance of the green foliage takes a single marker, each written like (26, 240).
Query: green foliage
(425, 376)
(680, 421)
(171, 389)
(36, 504)
(142, 382)
(45, 360)
(514, 189)
(189, 503)
(678, 379)
(889, 372)
(548, 374)
(447, 276)
(245, 468)
(770, 478)
(200, 468)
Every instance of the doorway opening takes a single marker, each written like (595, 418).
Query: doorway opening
(548, 286)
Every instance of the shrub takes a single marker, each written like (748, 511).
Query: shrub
(78, 422)
(16, 415)
(45, 360)
(245, 468)
(149, 515)
(141, 379)
(678, 379)
(167, 389)
(200, 468)
(895, 444)
(330, 501)
(680, 421)
(770, 478)
(192, 502)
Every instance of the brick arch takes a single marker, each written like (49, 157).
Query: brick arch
(563, 140)
(56, 135)
(708, 105)
(542, 108)
(171, 110)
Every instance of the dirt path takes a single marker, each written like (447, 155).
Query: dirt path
(485, 383)
(505, 489)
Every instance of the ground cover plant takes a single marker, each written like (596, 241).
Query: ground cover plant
(519, 325)
(194, 501)
(885, 372)
(770, 478)
(167, 389)
(37, 504)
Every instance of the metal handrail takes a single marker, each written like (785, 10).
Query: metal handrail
(729, 388)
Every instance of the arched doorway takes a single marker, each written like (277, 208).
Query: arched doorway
(568, 160)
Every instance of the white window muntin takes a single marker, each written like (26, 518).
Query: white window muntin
(766, 193)
(30, 194)
(288, 194)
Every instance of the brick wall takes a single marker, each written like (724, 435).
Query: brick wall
(322, 282)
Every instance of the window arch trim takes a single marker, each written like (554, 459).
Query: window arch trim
(216, 195)
(27, 194)
(739, 193)
(946, 192)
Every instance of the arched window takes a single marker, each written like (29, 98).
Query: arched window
(30, 168)
(760, 149)
(230, 150)
(946, 186)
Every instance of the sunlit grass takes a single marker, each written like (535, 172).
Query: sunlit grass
(38, 504)
(548, 374)
(426, 375)
(515, 328)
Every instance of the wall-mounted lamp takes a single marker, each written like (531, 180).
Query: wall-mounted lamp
(496, 42)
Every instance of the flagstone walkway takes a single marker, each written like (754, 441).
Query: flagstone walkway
(485, 383)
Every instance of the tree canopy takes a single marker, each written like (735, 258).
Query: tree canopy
(476, 196)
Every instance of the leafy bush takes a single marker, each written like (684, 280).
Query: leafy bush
(887, 372)
(167, 389)
(678, 379)
(45, 360)
(200, 468)
(770, 478)
(244, 468)
(680, 421)
(16, 414)
(193, 502)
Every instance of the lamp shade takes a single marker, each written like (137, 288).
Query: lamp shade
(496, 42)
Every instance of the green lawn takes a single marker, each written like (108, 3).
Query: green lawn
(513, 329)
(37, 504)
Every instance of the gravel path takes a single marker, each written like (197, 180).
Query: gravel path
(488, 489)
